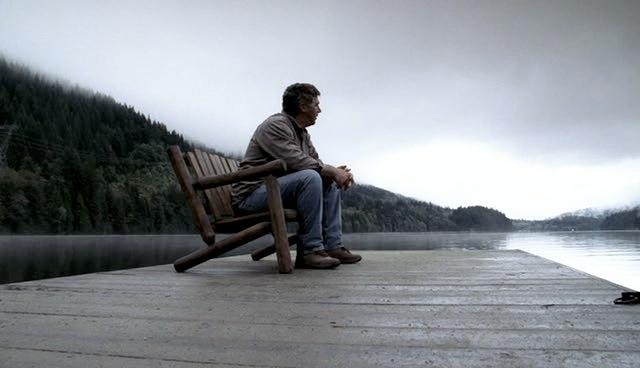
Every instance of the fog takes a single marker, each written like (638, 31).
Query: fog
(527, 107)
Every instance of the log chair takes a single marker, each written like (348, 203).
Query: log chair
(205, 177)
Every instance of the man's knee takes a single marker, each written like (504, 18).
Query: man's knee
(310, 177)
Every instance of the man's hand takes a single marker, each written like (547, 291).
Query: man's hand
(350, 181)
(341, 175)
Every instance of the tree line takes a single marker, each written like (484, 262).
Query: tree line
(621, 220)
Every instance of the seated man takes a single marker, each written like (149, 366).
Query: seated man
(310, 186)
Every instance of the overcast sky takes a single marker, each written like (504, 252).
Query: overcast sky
(529, 107)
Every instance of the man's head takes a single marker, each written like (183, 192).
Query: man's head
(300, 100)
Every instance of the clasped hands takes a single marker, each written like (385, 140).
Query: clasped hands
(343, 177)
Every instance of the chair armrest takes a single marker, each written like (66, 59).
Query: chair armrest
(257, 172)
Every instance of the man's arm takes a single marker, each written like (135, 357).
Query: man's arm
(277, 140)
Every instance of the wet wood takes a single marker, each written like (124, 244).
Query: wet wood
(215, 196)
(278, 225)
(186, 183)
(213, 174)
(222, 246)
(200, 171)
(225, 190)
(448, 308)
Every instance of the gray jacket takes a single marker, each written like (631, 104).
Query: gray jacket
(278, 137)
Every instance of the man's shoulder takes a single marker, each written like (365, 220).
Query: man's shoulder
(278, 118)
(276, 121)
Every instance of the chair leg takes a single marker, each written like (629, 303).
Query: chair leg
(278, 225)
(257, 255)
(223, 246)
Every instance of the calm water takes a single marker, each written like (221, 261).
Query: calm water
(612, 255)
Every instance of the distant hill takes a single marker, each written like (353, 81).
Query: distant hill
(587, 219)
(622, 220)
(74, 161)
(367, 208)
(596, 212)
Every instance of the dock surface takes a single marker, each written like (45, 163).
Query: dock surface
(450, 308)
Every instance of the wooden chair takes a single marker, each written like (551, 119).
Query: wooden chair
(205, 178)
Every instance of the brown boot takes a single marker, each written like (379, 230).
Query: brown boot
(344, 255)
(318, 259)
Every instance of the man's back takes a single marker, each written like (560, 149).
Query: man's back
(278, 137)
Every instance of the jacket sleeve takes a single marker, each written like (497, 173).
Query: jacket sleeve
(278, 141)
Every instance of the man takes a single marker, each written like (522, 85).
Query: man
(312, 187)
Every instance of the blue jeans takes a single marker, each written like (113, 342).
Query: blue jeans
(318, 204)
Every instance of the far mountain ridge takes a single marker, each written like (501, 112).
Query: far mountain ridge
(597, 212)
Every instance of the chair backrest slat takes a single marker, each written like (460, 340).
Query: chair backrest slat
(220, 168)
(207, 164)
(193, 161)
(217, 164)
(218, 195)
(180, 164)
(233, 164)
(228, 161)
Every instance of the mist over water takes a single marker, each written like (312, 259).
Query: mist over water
(611, 255)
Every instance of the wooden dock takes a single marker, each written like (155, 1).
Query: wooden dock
(451, 308)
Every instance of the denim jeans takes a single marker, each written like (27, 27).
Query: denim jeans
(318, 204)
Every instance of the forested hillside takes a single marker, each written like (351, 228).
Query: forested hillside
(367, 208)
(73, 161)
(78, 162)
(618, 220)
(623, 220)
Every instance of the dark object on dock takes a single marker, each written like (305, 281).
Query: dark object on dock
(203, 172)
(628, 297)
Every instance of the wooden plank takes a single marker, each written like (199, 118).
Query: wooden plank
(215, 195)
(205, 170)
(421, 308)
(227, 209)
(234, 164)
(255, 354)
(193, 162)
(184, 178)
(225, 190)
(558, 317)
(278, 225)
(58, 328)
(221, 247)
(29, 358)
(217, 164)
(226, 164)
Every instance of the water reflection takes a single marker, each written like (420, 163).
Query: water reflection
(25, 258)
(612, 255)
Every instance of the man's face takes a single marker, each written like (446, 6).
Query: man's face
(310, 111)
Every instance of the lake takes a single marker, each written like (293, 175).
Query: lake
(611, 255)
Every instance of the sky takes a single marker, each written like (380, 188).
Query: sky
(528, 107)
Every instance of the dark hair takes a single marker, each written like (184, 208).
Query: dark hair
(298, 94)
